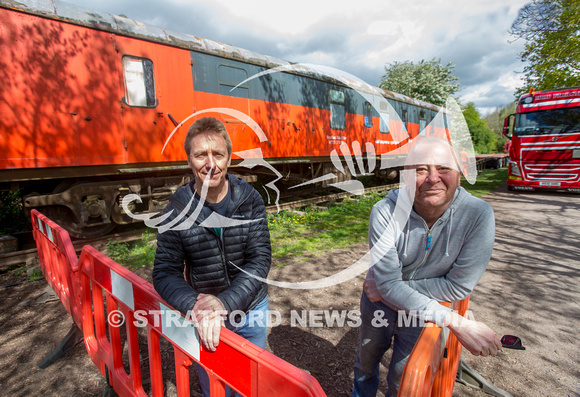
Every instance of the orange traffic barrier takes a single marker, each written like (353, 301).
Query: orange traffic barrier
(117, 311)
(58, 261)
(431, 368)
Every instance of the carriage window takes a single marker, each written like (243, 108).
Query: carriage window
(337, 110)
(384, 124)
(422, 122)
(404, 119)
(139, 82)
(229, 78)
(368, 113)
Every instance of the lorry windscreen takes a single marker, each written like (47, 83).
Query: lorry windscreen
(553, 121)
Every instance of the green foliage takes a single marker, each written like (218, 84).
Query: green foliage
(294, 235)
(429, 81)
(495, 121)
(36, 273)
(11, 213)
(552, 49)
(484, 140)
(487, 181)
(134, 254)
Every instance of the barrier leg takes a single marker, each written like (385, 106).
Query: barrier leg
(73, 338)
(109, 391)
(469, 377)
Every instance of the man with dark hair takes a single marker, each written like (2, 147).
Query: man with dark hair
(430, 242)
(207, 124)
(199, 267)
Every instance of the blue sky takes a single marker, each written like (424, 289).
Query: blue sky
(359, 37)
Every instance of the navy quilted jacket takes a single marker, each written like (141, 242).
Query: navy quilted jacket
(210, 260)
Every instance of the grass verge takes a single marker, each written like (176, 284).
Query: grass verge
(487, 181)
(134, 254)
(313, 230)
(310, 231)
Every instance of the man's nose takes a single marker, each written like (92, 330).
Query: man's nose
(210, 162)
(433, 175)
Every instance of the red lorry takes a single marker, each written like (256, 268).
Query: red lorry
(545, 141)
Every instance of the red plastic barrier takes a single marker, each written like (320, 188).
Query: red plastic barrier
(238, 363)
(97, 289)
(431, 368)
(58, 262)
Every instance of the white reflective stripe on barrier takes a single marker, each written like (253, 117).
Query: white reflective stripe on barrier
(122, 289)
(45, 229)
(180, 331)
(49, 233)
(40, 225)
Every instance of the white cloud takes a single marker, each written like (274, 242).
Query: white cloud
(359, 37)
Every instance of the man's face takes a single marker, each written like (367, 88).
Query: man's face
(437, 177)
(209, 156)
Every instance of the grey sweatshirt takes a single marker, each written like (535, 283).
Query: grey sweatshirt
(416, 274)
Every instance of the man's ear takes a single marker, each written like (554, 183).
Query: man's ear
(189, 163)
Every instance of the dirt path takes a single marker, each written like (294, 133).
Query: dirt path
(531, 289)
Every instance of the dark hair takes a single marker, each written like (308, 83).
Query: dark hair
(203, 125)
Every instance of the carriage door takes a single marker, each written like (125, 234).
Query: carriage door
(156, 95)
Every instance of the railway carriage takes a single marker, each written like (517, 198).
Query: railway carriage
(89, 101)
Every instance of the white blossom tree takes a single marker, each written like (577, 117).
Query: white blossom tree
(429, 81)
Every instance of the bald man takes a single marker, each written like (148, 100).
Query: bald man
(430, 242)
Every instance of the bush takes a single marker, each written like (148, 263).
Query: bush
(12, 217)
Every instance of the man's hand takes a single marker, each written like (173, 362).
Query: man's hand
(206, 302)
(475, 336)
(209, 313)
(370, 287)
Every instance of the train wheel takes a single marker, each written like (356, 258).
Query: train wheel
(64, 217)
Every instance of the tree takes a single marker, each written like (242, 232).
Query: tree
(429, 81)
(551, 29)
(484, 140)
(495, 121)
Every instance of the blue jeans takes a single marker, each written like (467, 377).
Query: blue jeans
(374, 340)
(254, 328)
